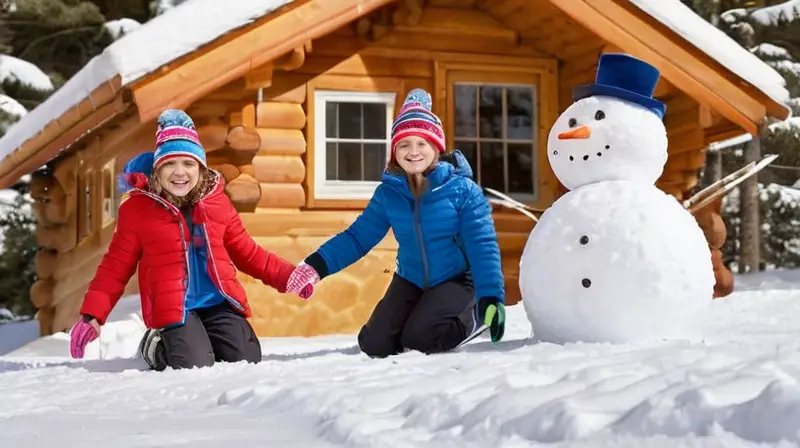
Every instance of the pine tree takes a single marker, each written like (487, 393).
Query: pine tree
(772, 34)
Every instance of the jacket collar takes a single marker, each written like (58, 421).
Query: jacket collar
(450, 167)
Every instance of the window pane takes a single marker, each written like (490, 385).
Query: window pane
(519, 103)
(330, 120)
(375, 120)
(470, 151)
(349, 120)
(465, 110)
(491, 112)
(520, 168)
(492, 166)
(330, 161)
(349, 161)
(374, 161)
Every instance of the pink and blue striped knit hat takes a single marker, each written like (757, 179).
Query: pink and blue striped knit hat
(416, 118)
(177, 137)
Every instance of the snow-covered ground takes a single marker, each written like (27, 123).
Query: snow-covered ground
(738, 387)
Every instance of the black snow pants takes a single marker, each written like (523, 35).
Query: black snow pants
(214, 334)
(431, 321)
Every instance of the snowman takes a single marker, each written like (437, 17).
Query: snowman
(615, 259)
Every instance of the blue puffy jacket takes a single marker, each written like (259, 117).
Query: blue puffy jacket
(442, 234)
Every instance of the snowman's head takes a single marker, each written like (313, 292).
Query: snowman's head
(602, 138)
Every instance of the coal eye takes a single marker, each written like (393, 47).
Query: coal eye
(599, 115)
(572, 122)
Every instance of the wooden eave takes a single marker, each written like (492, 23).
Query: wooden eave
(188, 78)
(707, 81)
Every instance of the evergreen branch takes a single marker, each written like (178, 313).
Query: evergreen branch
(54, 35)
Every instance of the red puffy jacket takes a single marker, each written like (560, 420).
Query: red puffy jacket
(153, 233)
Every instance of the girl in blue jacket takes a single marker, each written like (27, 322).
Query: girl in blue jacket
(448, 261)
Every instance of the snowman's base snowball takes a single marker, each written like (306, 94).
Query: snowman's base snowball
(616, 262)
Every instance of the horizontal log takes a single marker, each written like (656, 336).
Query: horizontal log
(275, 195)
(279, 169)
(231, 156)
(42, 293)
(296, 95)
(61, 238)
(244, 190)
(213, 136)
(282, 142)
(228, 171)
(241, 138)
(247, 169)
(46, 261)
(88, 254)
(359, 65)
(276, 115)
(686, 161)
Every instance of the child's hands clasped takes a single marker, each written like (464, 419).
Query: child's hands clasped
(302, 280)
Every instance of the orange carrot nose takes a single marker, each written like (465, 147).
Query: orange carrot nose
(579, 132)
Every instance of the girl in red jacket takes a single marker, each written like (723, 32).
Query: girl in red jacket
(179, 227)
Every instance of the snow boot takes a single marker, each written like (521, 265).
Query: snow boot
(151, 349)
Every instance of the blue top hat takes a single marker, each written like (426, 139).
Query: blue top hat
(623, 76)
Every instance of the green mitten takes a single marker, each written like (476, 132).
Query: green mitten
(492, 313)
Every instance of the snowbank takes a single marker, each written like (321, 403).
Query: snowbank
(714, 42)
(736, 387)
(177, 32)
(12, 68)
(119, 338)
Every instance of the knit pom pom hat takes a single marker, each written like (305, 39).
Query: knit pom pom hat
(177, 137)
(416, 118)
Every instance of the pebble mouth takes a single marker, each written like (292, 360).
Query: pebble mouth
(585, 156)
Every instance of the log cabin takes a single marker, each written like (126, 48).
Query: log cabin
(293, 100)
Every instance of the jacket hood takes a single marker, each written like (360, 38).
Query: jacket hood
(451, 166)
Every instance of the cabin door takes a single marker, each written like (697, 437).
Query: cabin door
(493, 118)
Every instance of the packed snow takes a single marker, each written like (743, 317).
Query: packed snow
(737, 386)
(603, 265)
(714, 42)
(771, 15)
(12, 68)
(121, 27)
(177, 32)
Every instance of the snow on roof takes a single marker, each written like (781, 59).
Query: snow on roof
(120, 27)
(792, 122)
(177, 32)
(12, 68)
(770, 15)
(715, 43)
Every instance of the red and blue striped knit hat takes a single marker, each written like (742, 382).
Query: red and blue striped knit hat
(416, 118)
(177, 137)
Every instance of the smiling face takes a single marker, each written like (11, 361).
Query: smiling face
(179, 175)
(414, 154)
(601, 139)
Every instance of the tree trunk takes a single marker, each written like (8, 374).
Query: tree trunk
(749, 255)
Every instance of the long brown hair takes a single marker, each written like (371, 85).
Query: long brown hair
(205, 182)
(416, 182)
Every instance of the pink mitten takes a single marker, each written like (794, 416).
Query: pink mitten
(81, 335)
(301, 281)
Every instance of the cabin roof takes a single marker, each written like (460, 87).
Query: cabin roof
(150, 50)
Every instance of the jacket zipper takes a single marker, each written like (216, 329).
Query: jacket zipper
(184, 246)
(216, 273)
(420, 241)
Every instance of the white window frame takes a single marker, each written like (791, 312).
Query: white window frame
(344, 189)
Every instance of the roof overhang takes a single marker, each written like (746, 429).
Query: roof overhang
(188, 78)
(625, 26)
